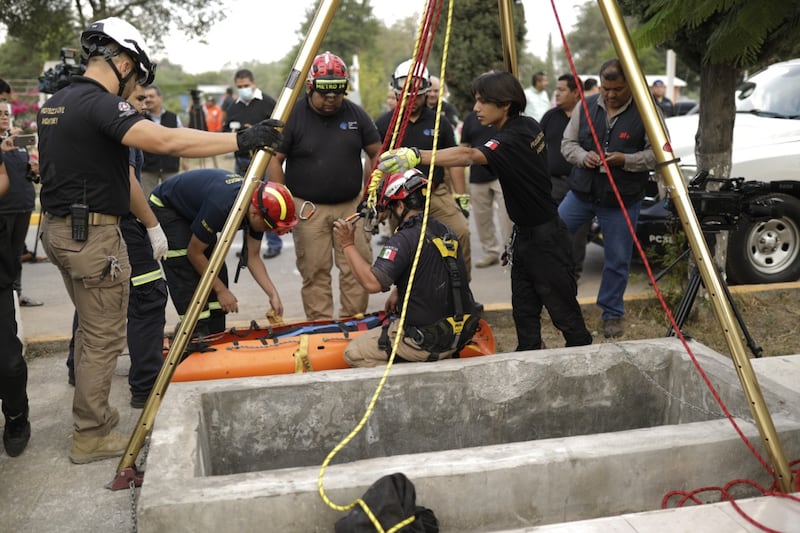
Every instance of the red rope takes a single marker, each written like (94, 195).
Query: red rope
(663, 303)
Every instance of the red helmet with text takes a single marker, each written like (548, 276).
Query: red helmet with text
(276, 205)
(328, 74)
(399, 187)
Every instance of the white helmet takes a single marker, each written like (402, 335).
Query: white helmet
(420, 71)
(98, 34)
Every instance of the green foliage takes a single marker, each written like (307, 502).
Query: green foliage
(352, 30)
(737, 33)
(475, 46)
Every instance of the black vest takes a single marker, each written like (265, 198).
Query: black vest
(627, 136)
(162, 163)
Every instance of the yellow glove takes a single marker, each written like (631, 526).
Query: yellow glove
(463, 203)
(398, 160)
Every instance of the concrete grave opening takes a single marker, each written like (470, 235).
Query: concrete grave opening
(496, 442)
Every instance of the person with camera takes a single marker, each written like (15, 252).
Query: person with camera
(16, 206)
(628, 155)
(85, 132)
(13, 369)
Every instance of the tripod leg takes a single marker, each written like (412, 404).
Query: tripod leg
(751, 343)
(687, 300)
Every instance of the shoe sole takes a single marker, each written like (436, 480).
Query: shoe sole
(94, 458)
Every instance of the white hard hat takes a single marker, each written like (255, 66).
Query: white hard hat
(97, 35)
(401, 72)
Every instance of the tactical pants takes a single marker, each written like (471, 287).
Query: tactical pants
(365, 351)
(182, 278)
(146, 309)
(543, 274)
(317, 253)
(96, 274)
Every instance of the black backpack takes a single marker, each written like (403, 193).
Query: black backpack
(391, 499)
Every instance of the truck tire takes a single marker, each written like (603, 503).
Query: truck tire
(766, 251)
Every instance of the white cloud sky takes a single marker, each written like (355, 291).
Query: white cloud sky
(255, 30)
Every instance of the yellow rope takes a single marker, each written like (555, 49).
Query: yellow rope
(373, 401)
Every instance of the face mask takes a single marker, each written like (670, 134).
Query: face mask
(245, 93)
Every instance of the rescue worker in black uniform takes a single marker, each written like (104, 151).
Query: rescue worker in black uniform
(441, 316)
(13, 369)
(193, 207)
(543, 270)
(85, 131)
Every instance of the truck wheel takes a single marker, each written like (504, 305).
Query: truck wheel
(766, 251)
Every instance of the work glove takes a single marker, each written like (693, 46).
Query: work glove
(262, 135)
(399, 160)
(158, 241)
(463, 203)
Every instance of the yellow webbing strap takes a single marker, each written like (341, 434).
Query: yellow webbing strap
(301, 361)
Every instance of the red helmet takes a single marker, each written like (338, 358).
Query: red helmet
(328, 74)
(400, 186)
(276, 205)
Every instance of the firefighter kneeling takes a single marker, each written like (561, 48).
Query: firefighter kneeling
(441, 316)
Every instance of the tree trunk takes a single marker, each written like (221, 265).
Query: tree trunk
(715, 135)
(717, 113)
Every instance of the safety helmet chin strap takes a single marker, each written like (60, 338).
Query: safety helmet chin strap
(108, 54)
(123, 81)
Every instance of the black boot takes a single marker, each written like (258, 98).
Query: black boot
(16, 434)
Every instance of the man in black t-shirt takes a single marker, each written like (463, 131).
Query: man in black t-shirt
(543, 271)
(323, 142)
(85, 131)
(449, 200)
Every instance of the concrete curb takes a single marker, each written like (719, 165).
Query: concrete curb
(46, 345)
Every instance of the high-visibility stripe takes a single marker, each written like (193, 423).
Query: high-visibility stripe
(201, 316)
(214, 306)
(177, 253)
(281, 202)
(149, 277)
(155, 200)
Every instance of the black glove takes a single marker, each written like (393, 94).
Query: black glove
(262, 135)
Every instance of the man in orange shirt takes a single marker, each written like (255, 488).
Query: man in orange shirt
(213, 115)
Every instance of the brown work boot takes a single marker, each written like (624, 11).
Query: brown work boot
(87, 449)
(113, 420)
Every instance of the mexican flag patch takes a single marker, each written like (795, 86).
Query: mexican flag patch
(388, 253)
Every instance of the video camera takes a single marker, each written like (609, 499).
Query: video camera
(721, 209)
(59, 76)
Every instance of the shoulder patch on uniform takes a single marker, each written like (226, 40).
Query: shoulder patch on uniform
(388, 253)
(125, 109)
(492, 144)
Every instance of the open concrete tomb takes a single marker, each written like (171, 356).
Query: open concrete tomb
(490, 443)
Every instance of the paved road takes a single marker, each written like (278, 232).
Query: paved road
(491, 287)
